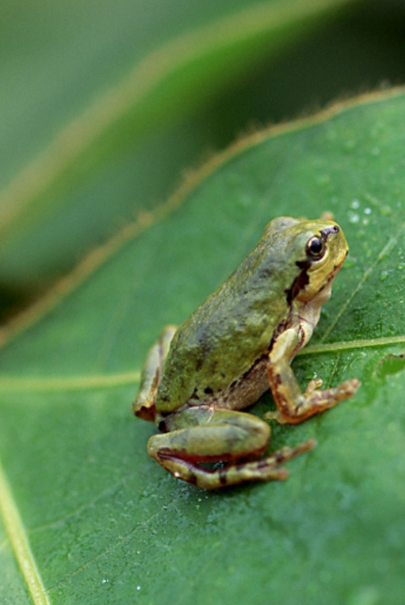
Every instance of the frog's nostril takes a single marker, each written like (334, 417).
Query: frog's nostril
(325, 232)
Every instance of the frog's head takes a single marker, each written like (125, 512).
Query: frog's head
(321, 249)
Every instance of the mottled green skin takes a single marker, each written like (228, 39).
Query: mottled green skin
(235, 346)
(235, 325)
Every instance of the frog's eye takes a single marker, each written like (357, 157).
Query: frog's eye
(315, 247)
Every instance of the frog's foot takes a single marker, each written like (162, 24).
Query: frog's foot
(313, 385)
(313, 401)
(292, 405)
(327, 215)
(265, 469)
(230, 437)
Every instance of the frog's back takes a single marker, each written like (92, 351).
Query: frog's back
(234, 327)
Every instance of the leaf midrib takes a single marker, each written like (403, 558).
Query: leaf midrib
(106, 381)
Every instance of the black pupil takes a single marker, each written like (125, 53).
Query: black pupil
(315, 246)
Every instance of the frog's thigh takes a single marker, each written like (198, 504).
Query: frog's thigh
(294, 406)
(227, 436)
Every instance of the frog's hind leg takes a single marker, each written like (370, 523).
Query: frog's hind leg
(226, 436)
(144, 406)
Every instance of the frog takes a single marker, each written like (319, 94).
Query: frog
(240, 342)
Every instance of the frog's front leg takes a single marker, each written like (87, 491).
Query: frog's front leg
(294, 406)
(144, 404)
(219, 435)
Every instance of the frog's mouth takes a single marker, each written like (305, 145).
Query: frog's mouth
(336, 269)
(331, 277)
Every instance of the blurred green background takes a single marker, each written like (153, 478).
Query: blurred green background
(104, 104)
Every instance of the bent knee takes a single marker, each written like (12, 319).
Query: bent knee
(261, 434)
(257, 432)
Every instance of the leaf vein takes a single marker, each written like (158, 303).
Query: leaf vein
(109, 549)
(86, 505)
(384, 251)
(19, 542)
(78, 383)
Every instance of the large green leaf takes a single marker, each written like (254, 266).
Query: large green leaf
(91, 519)
(90, 93)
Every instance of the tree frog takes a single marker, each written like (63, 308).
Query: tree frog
(237, 344)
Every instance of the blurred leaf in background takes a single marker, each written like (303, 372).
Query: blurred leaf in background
(105, 105)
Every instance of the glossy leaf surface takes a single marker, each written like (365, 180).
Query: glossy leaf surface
(103, 522)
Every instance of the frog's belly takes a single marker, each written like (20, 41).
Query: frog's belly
(245, 390)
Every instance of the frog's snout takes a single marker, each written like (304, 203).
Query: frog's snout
(328, 231)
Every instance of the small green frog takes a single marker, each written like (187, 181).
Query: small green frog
(235, 346)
